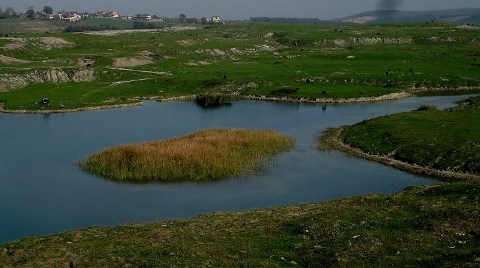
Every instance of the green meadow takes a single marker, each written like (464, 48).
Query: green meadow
(324, 62)
(444, 140)
(422, 226)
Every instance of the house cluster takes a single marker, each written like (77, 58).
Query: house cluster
(73, 16)
(106, 14)
(214, 19)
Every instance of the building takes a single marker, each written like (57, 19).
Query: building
(72, 17)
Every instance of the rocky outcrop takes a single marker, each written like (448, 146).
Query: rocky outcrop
(13, 81)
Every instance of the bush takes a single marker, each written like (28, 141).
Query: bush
(212, 100)
(426, 108)
(285, 91)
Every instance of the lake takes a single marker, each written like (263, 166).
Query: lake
(42, 190)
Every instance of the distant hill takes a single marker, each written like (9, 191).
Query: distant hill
(458, 16)
(290, 20)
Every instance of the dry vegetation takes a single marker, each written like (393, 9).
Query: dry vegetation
(201, 156)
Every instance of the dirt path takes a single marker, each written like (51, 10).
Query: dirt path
(140, 71)
(330, 140)
(129, 81)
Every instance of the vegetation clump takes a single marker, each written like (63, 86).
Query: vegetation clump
(285, 91)
(426, 108)
(202, 156)
(443, 140)
(213, 100)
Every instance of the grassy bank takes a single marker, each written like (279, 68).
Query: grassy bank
(444, 140)
(272, 60)
(201, 156)
(427, 226)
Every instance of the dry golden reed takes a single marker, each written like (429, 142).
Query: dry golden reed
(202, 156)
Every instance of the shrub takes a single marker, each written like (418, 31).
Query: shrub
(212, 100)
(426, 108)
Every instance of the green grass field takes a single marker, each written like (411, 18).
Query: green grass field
(445, 140)
(335, 61)
(423, 226)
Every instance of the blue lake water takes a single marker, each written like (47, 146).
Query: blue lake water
(42, 191)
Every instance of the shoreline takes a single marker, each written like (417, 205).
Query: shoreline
(392, 96)
(387, 97)
(84, 109)
(330, 140)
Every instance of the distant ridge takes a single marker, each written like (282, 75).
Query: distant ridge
(457, 16)
(290, 20)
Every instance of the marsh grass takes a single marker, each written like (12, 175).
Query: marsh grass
(202, 156)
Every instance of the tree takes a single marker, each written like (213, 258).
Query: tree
(30, 13)
(48, 10)
(182, 17)
(10, 12)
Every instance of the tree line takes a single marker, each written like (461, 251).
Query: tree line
(10, 12)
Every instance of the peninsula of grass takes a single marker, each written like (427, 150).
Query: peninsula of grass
(422, 226)
(202, 156)
(447, 140)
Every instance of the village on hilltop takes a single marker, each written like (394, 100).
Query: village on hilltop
(48, 13)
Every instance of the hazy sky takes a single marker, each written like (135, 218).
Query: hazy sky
(239, 9)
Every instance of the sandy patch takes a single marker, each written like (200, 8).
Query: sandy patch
(186, 42)
(131, 62)
(54, 42)
(9, 60)
(17, 43)
(144, 57)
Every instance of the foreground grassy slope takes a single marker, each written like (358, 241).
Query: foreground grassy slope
(309, 61)
(202, 156)
(445, 140)
(427, 226)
